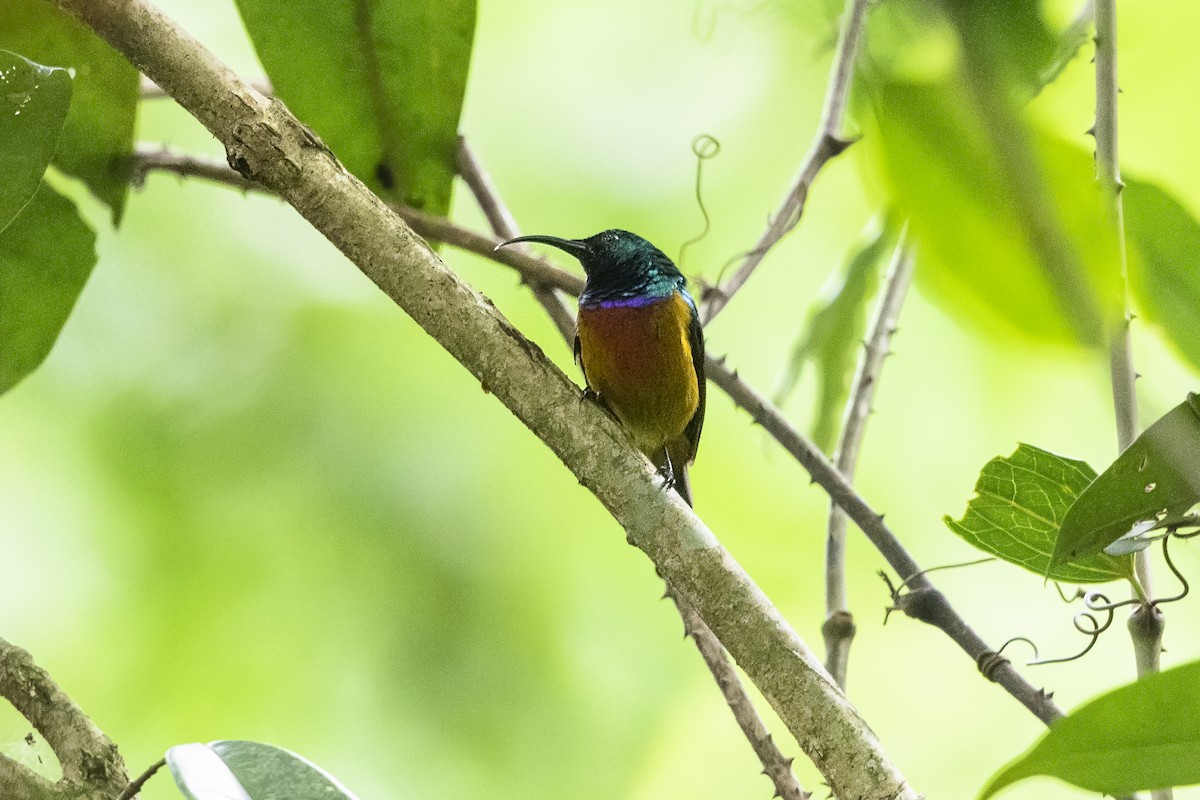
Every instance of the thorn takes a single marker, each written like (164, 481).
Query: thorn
(1090, 132)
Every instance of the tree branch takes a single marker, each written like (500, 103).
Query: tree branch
(826, 144)
(838, 629)
(91, 765)
(773, 422)
(265, 143)
(924, 602)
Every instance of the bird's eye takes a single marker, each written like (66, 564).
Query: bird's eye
(608, 238)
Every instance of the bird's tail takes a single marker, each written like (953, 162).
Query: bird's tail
(683, 484)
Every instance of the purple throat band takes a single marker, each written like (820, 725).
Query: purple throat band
(637, 301)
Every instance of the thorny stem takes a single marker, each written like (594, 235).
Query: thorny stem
(774, 423)
(839, 628)
(775, 765)
(1147, 621)
(827, 143)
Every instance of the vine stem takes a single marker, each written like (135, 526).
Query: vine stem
(937, 611)
(826, 144)
(1147, 622)
(839, 628)
(266, 144)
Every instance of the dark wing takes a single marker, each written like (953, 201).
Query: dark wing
(696, 339)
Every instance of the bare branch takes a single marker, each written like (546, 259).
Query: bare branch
(838, 629)
(775, 765)
(925, 602)
(827, 143)
(533, 270)
(504, 225)
(265, 143)
(135, 786)
(90, 762)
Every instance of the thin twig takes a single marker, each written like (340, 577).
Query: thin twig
(265, 142)
(133, 788)
(934, 607)
(145, 161)
(504, 225)
(827, 143)
(533, 270)
(775, 765)
(839, 628)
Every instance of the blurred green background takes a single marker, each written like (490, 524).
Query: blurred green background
(246, 497)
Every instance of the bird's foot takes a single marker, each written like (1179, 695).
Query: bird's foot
(667, 473)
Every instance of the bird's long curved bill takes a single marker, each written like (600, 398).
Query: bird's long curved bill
(576, 247)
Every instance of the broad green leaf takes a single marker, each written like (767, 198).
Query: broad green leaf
(975, 235)
(1164, 263)
(33, 106)
(1020, 502)
(381, 82)
(46, 255)
(833, 332)
(1157, 478)
(240, 770)
(98, 137)
(1142, 736)
(1008, 38)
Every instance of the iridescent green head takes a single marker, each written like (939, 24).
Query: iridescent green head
(620, 266)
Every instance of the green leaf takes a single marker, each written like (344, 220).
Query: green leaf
(380, 81)
(98, 138)
(1164, 263)
(833, 332)
(33, 107)
(940, 164)
(1009, 37)
(241, 770)
(1142, 736)
(1157, 478)
(1020, 501)
(46, 255)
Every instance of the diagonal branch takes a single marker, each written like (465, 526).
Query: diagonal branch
(265, 143)
(91, 765)
(826, 144)
(774, 423)
(838, 629)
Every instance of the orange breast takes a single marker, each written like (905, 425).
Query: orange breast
(639, 360)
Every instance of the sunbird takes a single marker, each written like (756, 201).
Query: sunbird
(640, 345)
